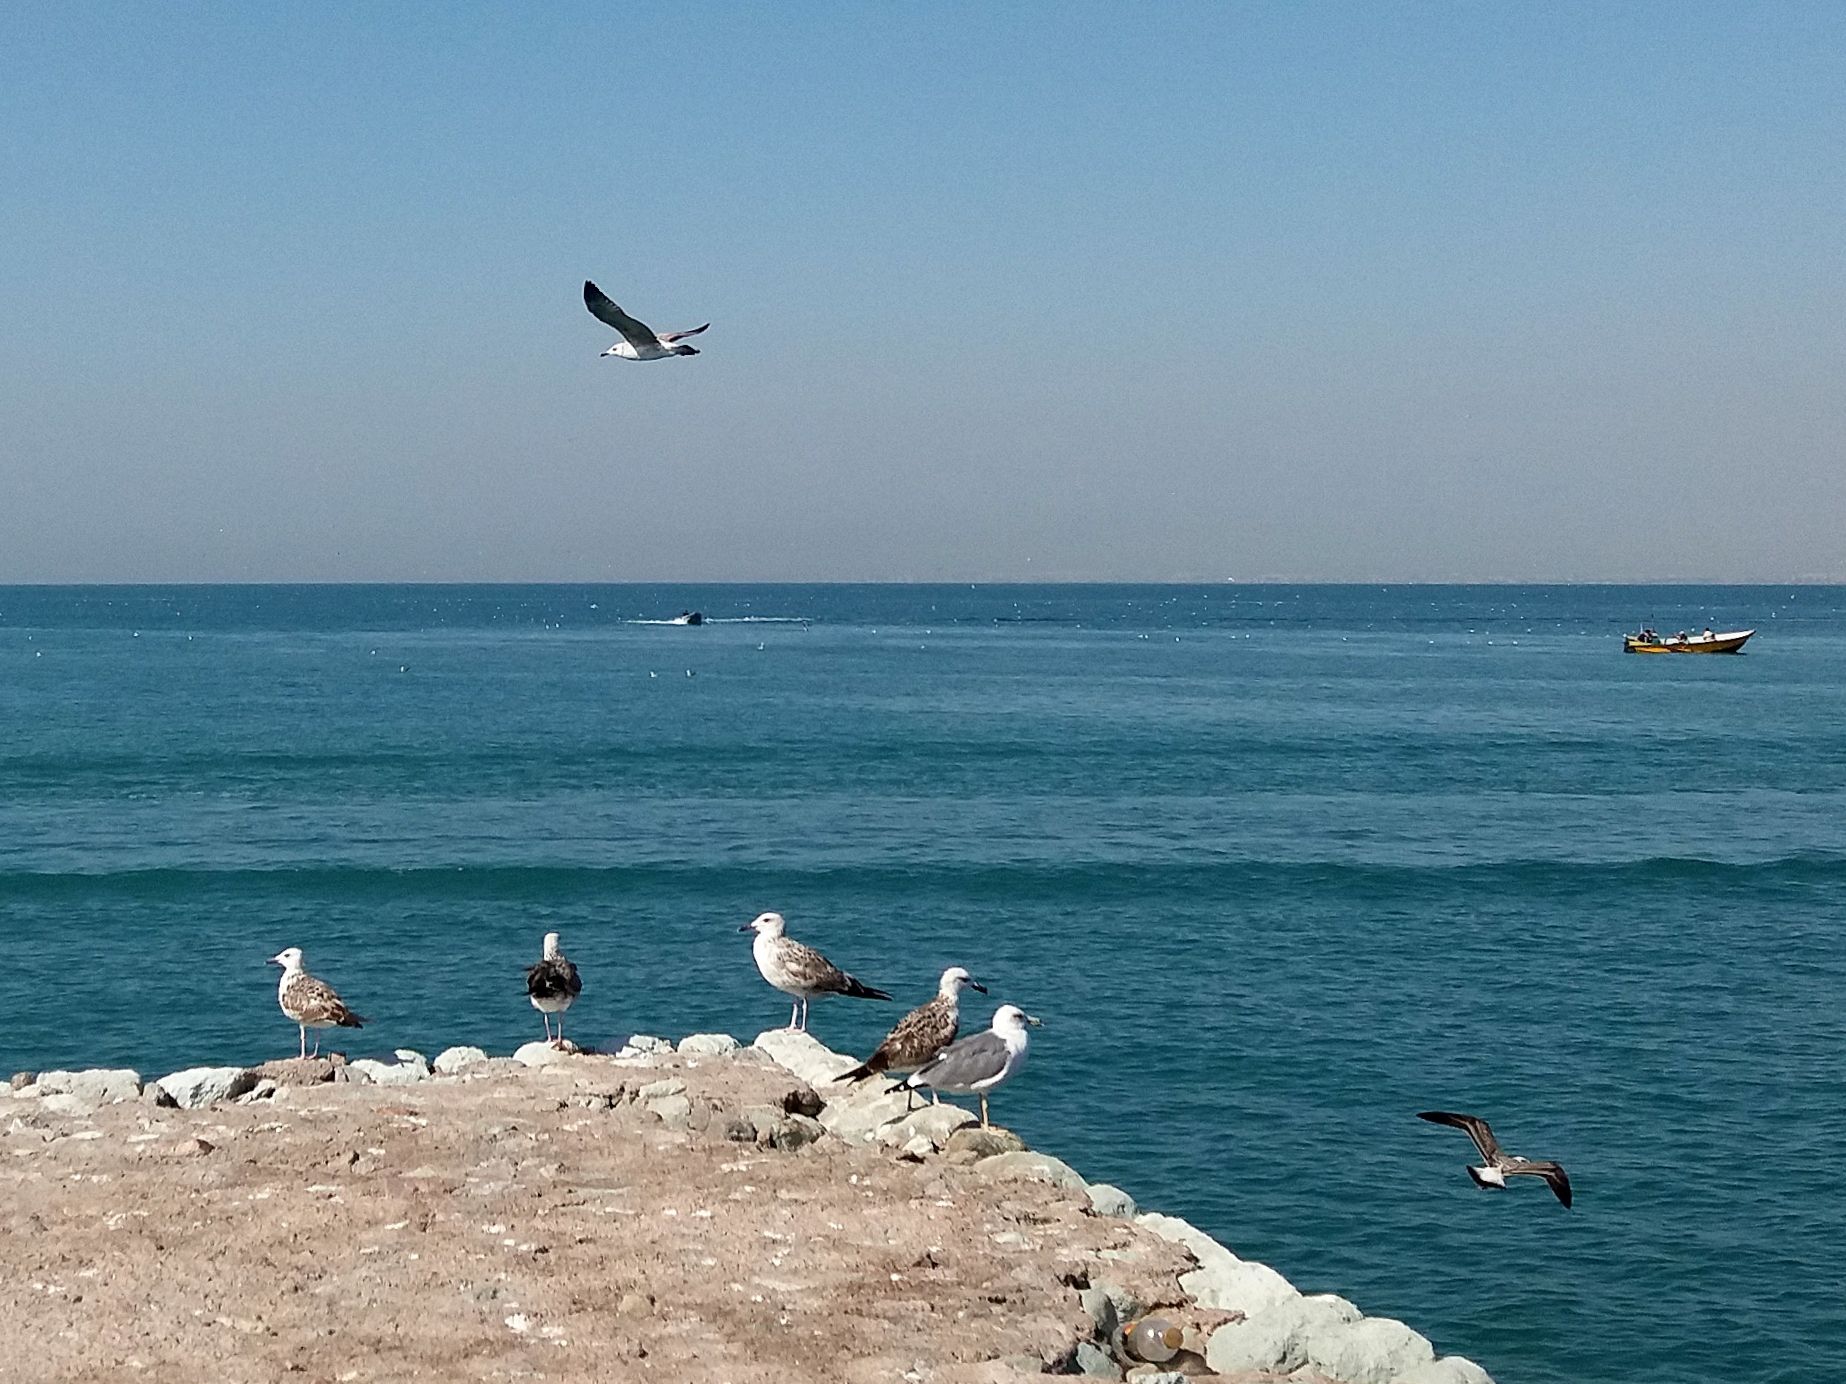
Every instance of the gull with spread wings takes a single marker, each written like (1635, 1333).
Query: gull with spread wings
(639, 341)
(1498, 1164)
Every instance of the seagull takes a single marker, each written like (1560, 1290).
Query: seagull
(923, 1032)
(1499, 1165)
(799, 970)
(552, 983)
(309, 1002)
(639, 341)
(979, 1062)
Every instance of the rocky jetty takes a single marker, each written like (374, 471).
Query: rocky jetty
(696, 1212)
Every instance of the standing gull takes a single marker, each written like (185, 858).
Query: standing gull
(639, 341)
(1498, 1164)
(552, 983)
(981, 1061)
(799, 970)
(311, 1003)
(923, 1032)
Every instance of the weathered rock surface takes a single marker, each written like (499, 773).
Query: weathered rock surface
(541, 1054)
(1039, 1167)
(195, 1087)
(299, 1071)
(1372, 1350)
(1450, 1369)
(96, 1086)
(972, 1144)
(451, 1061)
(1278, 1339)
(1222, 1280)
(804, 1055)
(387, 1073)
(1107, 1199)
(933, 1123)
(708, 1045)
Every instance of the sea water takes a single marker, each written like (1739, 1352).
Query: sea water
(1277, 866)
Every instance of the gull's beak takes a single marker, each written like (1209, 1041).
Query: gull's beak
(1036, 1023)
(747, 927)
(976, 985)
(274, 961)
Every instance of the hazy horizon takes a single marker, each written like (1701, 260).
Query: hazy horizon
(1286, 293)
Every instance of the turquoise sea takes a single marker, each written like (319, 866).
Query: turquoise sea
(1278, 867)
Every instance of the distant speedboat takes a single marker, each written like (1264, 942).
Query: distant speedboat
(687, 617)
(1648, 642)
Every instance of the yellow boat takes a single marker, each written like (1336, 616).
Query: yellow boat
(1647, 642)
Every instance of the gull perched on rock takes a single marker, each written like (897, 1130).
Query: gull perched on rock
(1498, 1165)
(799, 970)
(311, 1003)
(923, 1032)
(980, 1062)
(639, 341)
(552, 983)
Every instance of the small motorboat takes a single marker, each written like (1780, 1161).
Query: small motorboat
(687, 617)
(1648, 642)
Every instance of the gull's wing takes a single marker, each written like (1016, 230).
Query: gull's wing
(668, 338)
(978, 1057)
(819, 976)
(1472, 1125)
(553, 979)
(637, 334)
(918, 1036)
(1553, 1173)
(313, 1001)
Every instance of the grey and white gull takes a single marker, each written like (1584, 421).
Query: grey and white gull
(1497, 1164)
(639, 341)
(309, 1001)
(923, 1032)
(798, 970)
(552, 984)
(979, 1063)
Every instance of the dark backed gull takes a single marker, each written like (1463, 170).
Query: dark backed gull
(311, 1003)
(923, 1032)
(552, 983)
(639, 341)
(980, 1062)
(1498, 1165)
(799, 970)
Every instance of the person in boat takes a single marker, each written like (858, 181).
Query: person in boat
(1647, 634)
(1708, 634)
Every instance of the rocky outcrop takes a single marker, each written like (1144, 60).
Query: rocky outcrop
(200, 1086)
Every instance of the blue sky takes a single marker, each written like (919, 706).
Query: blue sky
(1404, 291)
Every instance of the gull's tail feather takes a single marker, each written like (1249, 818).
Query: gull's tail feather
(351, 1020)
(859, 1073)
(859, 990)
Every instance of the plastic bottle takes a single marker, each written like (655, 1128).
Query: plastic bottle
(1154, 1339)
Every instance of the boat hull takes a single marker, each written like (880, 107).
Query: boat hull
(1730, 643)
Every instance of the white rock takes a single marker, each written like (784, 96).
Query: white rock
(540, 1054)
(642, 1042)
(860, 1118)
(1106, 1199)
(386, 1073)
(933, 1123)
(1222, 1280)
(709, 1044)
(99, 1085)
(264, 1089)
(1450, 1369)
(671, 1086)
(1278, 1339)
(804, 1055)
(200, 1086)
(674, 1111)
(452, 1060)
(916, 1147)
(1372, 1350)
(1038, 1167)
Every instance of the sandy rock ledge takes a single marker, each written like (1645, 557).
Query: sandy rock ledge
(701, 1213)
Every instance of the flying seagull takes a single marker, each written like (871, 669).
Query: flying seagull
(1498, 1164)
(979, 1062)
(799, 970)
(639, 341)
(923, 1032)
(552, 983)
(311, 1003)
